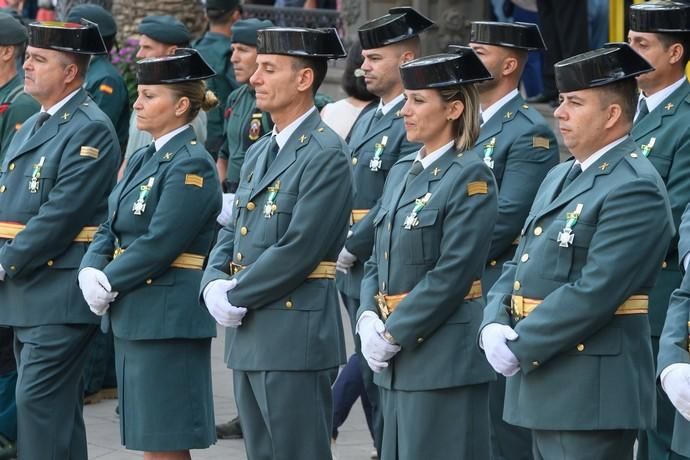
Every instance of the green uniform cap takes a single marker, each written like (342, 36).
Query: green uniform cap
(12, 32)
(165, 29)
(244, 31)
(94, 13)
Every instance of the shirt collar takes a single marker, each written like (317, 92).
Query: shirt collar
(161, 141)
(491, 110)
(385, 108)
(54, 109)
(599, 153)
(657, 98)
(283, 136)
(433, 156)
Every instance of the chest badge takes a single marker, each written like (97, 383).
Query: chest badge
(566, 236)
(255, 127)
(647, 148)
(412, 220)
(488, 153)
(376, 163)
(36, 175)
(270, 207)
(140, 205)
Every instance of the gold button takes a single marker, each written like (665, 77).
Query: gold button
(525, 257)
(50, 263)
(239, 256)
(420, 339)
(149, 281)
(2, 189)
(251, 206)
(516, 285)
(288, 304)
(385, 255)
(11, 166)
(580, 347)
(354, 161)
(493, 263)
(243, 231)
(537, 231)
(664, 265)
(535, 363)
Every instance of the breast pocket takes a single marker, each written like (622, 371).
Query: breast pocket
(37, 190)
(421, 241)
(277, 224)
(564, 262)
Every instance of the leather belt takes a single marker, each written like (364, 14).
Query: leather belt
(325, 270)
(185, 260)
(358, 215)
(388, 303)
(521, 306)
(10, 230)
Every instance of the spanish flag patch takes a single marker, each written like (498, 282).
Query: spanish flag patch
(86, 151)
(477, 188)
(194, 179)
(538, 141)
(107, 89)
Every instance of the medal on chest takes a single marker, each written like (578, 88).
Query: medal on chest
(270, 206)
(412, 220)
(36, 175)
(566, 236)
(488, 153)
(376, 163)
(140, 205)
(647, 148)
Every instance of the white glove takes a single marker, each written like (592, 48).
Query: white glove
(96, 290)
(216, 299)
(375, 348)
(2, 273)
(675, 380)
(225, 216)
(493, 340)
(345, 261)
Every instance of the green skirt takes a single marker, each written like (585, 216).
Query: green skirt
(166, 399)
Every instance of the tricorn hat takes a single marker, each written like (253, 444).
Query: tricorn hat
(298, 41)
(185, 65)
(69, 37)
(612, 63)
(458, 67)
(399, 24)
(660, 17)
(510, 34)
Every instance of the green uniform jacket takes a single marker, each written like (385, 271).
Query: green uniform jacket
(15, 107)
(216, 50)
(80, 156)
(107, 88)
(521, 148)
(673, 345)
(157, 301)
(670, 126)
(244, 125)
(582, 367)
(293, 323)
(368, 184)
(435, 263)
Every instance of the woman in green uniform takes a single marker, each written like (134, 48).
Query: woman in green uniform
(421, 302)
(145, 264)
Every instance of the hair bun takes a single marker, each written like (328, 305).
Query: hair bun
(210, 101)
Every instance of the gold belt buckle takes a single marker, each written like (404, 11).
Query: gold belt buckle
(383, 306)
(235, 268)
(518, 306)
(118, 252)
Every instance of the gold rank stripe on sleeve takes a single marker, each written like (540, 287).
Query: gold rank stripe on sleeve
(107, 89)
(194, 179)
(479, 187)
(538, 141)
(86, 151)
(10, 230)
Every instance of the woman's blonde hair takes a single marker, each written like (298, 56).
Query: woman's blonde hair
(465, 128)
(199, 97)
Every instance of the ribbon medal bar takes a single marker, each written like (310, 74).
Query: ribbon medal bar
(375, 163)
(140, 205)
(566, 236)
(412, 220)
(488, 152)
(270, 206)
(647, 148)
(36, 175)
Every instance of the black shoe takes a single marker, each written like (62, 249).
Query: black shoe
(542, 98)
(8, 449)
(229, 430)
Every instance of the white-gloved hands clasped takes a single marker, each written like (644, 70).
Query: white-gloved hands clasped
(493, 340)
(225, 216)
(217, 303)
(675, 380)
(96, 290)
(345, 260)
(375, 348)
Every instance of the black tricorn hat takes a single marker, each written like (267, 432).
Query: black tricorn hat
(68, 37)
(613, 62)
(663, 17)
(510, 34)
(399, 24)
(458, 67)
(185, 65)
(302, 42)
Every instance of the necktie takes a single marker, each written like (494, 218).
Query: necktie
(272, 152)
(375, 119)
(575, 171)
(642, 109)
(42, 118)
(414, 172)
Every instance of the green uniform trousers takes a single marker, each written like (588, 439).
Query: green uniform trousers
(50, 362)
(583, 445)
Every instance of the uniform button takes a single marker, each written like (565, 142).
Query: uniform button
(243, 231)
(516, 285)
(420, 339)
(525, 257)
(50, 263)
(288, 304)
(13, 268)
(2, 189)
(239, 256)
(251, 206)
(385, 255)
(354, 161)
(664, 265)
(149, 281)
(493, 263)
(535, 363)
(11, 166)
(580, 347)
(537, 231)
